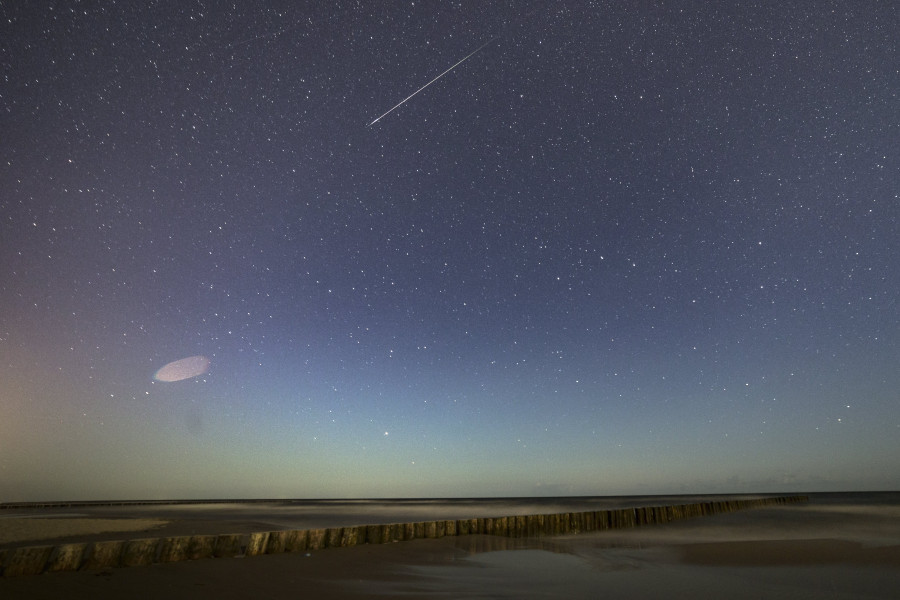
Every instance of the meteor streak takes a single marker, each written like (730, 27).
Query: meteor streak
(399, 104)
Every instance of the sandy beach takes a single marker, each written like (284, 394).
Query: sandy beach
(824, 549)
(17, 530)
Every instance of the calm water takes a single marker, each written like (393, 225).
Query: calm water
(303, 514)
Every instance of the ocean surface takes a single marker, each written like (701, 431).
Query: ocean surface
(312, 514)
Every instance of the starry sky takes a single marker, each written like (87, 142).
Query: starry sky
(622, 248)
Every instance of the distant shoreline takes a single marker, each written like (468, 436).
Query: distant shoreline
(315, 501)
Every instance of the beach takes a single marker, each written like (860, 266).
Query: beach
(836, 546)
(33, 530)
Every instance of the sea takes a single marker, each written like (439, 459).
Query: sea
(323, 513)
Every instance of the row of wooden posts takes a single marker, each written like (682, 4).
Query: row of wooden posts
(33, 560)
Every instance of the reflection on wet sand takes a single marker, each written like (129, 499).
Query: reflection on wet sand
(711, 557)
(838, 551)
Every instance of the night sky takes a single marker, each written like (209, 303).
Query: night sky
(622, 248)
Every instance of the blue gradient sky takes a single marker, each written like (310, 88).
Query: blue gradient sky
(620, 250)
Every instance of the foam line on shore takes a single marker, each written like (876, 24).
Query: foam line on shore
(34, 560)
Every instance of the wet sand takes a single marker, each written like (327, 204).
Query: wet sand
(16, 531)
(819, 550)
(834, 551)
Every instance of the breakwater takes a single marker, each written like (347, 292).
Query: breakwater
(34, 560)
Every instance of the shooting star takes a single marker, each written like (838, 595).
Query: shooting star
(402, 102)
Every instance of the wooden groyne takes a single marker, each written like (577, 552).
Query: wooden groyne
(34, 560)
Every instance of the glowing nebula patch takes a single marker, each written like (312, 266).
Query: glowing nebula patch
(183, 369)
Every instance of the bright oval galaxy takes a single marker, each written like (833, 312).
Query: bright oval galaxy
(185, 368)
